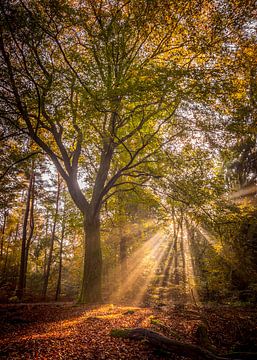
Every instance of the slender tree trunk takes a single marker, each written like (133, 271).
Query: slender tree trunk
(91, 291)
(176, 228)
(182, 249)
(122, 243)
(21, 281)
(123, 255)
(176, 225)
(59, 281)
(31, 230)
(2, 234)
(176, 273)
(16, 237)
(5, 268)
(46, 237)
(50, 255)
(4, 274)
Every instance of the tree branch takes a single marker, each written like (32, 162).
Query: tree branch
(17, 162)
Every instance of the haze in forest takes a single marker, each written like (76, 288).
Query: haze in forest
(128, 152)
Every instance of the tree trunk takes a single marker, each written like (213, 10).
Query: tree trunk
(123, 255)
(91, 291)
(49, 263)
(2, 234)
(176, 228)
(46, 241)
(22, 272)
(175, 248)
(31, 230)
(59, 281)
(4, 270)
(182, 249)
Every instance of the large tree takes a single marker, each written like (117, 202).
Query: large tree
(96, 84)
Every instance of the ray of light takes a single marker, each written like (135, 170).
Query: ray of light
(160, 272)
(207, 236)
(249, 190)
(211, 240)
(190, 275)
(158, 258)
(167, 271)
(142, 264)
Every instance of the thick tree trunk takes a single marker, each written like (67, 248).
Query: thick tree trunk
(91, 291)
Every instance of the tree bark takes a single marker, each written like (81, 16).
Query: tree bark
(59, 281)
(183, 253)
(176, 347)
(91, 291)
(46, 238)
(123, 255)
(22, 271)
(164, 343)
(4, 270)
(31, 230)
(2, 234)
(49, 263)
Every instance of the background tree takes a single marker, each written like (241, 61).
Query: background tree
(97, 87)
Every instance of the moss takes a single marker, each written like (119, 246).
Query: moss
(154, 321)
(129, 312)
(123, 333)
(13, 299)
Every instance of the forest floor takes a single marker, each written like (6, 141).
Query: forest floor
(68, 331)
(160, 289)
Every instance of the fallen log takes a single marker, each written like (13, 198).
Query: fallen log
(173, 346)
(242, 356)
(166, 344)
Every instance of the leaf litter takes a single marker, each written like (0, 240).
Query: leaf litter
(67, 331)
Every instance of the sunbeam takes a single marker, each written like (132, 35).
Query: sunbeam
(249, 191)
(161, 271)
(151, 272)
(141, 268)
(190, 276)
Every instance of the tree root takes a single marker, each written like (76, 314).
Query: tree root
(173, 346)
(203, 339)
(167, 329)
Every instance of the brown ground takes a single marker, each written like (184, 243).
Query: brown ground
(66, 331)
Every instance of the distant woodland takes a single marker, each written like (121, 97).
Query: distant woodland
(128, 151)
